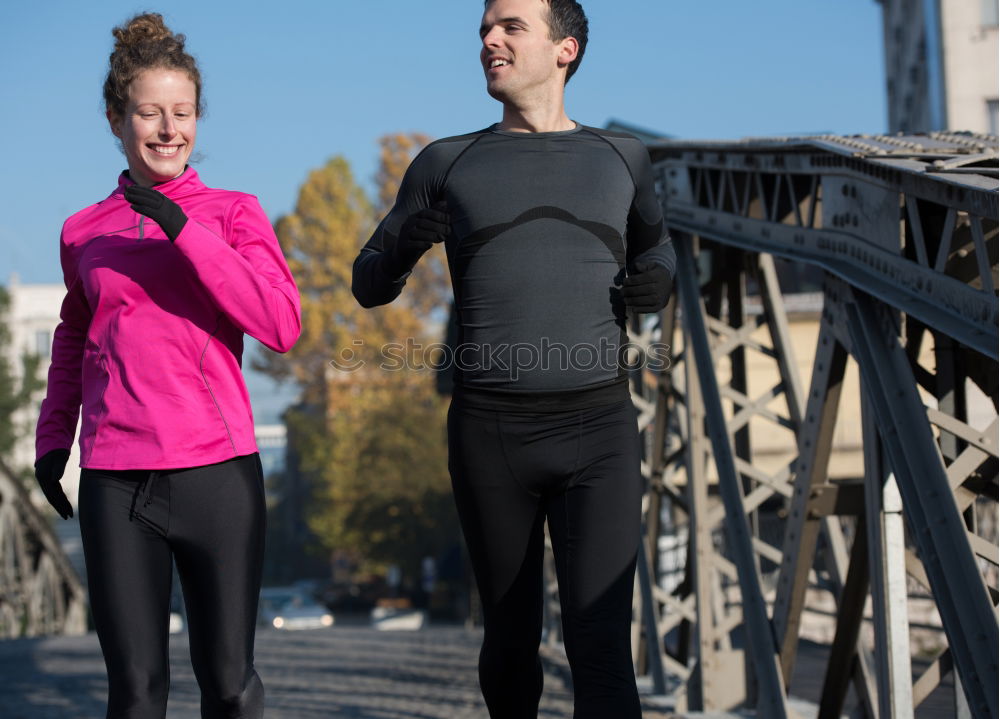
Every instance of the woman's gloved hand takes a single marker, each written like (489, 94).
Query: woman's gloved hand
(48, 471)
(159, 208)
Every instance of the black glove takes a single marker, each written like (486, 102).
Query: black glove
(647, 286)
(419, 232)
(157, 207)
(48, 471)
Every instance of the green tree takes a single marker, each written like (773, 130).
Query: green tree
(371, 441)
(16, 389)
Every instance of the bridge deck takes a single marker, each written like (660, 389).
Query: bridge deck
(345, 672)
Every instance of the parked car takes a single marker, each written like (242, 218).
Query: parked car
(291, 608)
(176, 624)
(397, 614)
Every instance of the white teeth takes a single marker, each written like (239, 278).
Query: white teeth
(498, 63)
(165, 149)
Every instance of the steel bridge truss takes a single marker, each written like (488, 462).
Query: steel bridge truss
(904, 230)
(40, 592)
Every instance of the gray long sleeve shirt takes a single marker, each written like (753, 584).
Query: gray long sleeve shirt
(543, 227)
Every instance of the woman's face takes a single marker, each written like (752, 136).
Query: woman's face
(159, 127)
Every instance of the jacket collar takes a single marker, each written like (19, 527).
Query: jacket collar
(185, 183)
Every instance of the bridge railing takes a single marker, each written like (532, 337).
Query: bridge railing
(40, 592)
(902, 232)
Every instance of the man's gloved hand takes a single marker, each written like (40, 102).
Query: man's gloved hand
(159, 208)
(647, 286)
(419, 232)
(48, 471)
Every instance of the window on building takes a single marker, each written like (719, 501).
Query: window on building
(991, 116)
(43, 344)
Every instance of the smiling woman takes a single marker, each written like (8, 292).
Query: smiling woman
(148, 354)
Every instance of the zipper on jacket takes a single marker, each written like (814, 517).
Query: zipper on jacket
(142, 219)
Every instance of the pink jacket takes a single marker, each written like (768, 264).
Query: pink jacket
(151, 338)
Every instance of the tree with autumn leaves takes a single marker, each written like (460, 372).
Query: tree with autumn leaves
(370, 442)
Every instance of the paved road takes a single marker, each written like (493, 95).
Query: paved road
(342, 672)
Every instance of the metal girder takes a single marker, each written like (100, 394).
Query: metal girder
(947, 168)
(653, 395)
(844, 656)
(762, 648)
(911, 221)
(940, 301)
(887, 568)
(768, 204)
(966, 608)
(650, 620)
(702, 694)
(39, 590)
(803, 528)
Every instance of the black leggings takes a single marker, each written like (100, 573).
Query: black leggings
(580, 470)
(210, 521)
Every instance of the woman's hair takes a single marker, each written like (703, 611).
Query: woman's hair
(145, 43)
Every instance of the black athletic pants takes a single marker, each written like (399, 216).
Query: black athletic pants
(579, 470)
(210, 521)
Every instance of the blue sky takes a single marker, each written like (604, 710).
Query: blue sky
(290, 84)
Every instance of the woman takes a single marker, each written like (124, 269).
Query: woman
(164, 277)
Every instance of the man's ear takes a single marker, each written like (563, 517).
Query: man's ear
(569, 48)
(115, 122)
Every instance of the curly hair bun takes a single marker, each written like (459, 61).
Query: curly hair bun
(142, 29)
(143, 43)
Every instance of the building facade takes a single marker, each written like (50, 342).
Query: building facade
(941, 65)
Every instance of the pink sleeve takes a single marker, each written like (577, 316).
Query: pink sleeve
(246, 276)
(61, 407)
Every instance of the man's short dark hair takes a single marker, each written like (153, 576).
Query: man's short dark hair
(566, 19)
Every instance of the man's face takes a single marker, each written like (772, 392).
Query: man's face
(518, 56)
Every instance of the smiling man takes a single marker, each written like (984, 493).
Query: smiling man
(552, 232)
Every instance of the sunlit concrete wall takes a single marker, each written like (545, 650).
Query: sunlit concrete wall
(969, 37)
(941, 64)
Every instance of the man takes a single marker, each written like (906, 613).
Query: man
(551, 230)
